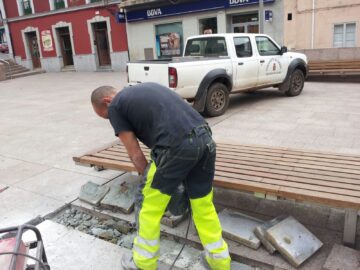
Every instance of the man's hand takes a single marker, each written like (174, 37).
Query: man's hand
(132, 146)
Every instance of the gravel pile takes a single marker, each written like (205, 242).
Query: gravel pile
(117, 232)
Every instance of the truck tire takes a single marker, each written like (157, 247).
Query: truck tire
(217, 100)
(296, 83)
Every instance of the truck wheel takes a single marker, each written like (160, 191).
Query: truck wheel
(217, 100)
(296, 85)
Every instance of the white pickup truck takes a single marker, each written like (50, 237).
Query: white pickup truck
(214, 66)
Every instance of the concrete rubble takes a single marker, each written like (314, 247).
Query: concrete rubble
(293, 241)
(108, 229)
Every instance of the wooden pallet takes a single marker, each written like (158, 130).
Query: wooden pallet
(329, 179)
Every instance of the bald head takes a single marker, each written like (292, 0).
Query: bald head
(97, 96)
(101, 98)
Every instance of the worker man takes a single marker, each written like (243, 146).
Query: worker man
(182, 151)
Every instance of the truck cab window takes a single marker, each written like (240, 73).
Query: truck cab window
(266, 47)
(243, 47)
(206, 47)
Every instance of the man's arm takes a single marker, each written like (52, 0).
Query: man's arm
(132, 146)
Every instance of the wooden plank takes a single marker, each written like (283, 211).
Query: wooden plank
(98, 149)
(312, 181)
(328, 190)
(108, 164)
(244, 185)
(288, 166)
(288, 183)
(286, 154)
(291, 151)
(288, 159)
(319, 197)
(340, 180)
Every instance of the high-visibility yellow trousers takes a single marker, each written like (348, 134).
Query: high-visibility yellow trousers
(147, 242)
(209, 229)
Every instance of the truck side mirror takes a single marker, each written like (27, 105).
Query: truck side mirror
(283, 50)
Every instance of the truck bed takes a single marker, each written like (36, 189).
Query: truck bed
(178, 60)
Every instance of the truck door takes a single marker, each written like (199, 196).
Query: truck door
(246, 65)
(272, 64)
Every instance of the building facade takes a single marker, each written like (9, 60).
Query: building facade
(159, 29)
(322, 24)
(84, 35)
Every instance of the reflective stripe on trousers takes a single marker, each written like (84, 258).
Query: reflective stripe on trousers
(208, 226)
(147, 243)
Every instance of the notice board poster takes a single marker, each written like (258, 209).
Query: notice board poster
(169, 44)
(47, 41)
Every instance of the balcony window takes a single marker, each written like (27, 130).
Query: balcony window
(59, 4)
(27, 7)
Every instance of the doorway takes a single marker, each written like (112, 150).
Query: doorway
(246, 23)
(101, 41)
(65, 45)
(34, 49)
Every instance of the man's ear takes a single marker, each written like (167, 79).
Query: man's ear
(107, 100)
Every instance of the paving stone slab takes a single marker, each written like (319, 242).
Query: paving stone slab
(18, 206)
(122, 195)
(93, 193)
(73, 250)
(261, 230)
(343, 258)
(293, 241)
(240, 228)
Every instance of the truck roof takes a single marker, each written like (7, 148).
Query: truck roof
(226, 35)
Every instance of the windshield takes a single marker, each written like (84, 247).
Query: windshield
(207, 47)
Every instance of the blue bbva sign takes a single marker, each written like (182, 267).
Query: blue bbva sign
(189, 7)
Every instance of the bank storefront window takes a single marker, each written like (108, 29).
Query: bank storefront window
(169, 40)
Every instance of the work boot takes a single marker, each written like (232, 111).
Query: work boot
(127, 262)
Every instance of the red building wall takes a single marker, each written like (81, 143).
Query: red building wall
(72, 3)
(41, 6)
(80, 31)
(11, 8)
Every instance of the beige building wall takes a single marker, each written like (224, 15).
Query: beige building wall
(299, 34)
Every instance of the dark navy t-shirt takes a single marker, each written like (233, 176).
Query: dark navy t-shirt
(157, 115)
